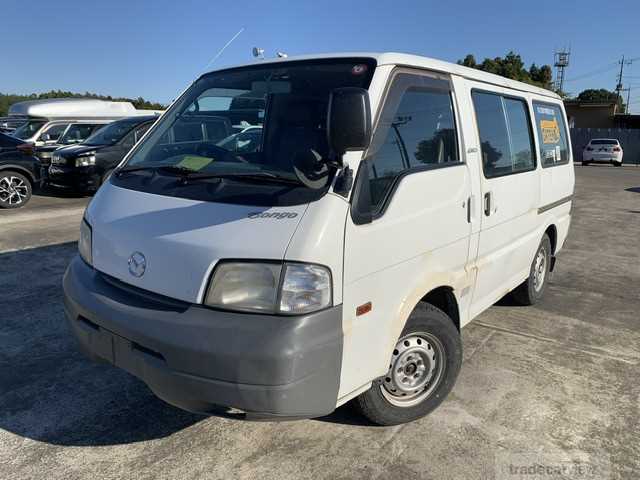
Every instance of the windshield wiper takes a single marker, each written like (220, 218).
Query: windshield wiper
(174, 169)
(186, 174)
(248, 176)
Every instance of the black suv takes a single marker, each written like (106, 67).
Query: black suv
(84, 167)
(20, 172)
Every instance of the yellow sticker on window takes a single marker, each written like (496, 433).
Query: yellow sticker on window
(550, 131)
(194, 162)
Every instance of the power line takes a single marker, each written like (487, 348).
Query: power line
(592, 73)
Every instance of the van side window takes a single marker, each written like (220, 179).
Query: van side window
(506, 139)
(416, 131)
(552, 134)
(53, 132)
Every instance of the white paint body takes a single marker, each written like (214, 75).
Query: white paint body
(434, 232)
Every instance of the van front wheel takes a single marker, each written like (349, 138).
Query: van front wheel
(423, 368)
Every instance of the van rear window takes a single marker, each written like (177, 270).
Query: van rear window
(552, 134)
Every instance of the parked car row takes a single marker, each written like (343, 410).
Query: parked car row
(87, 137)
(74, 144)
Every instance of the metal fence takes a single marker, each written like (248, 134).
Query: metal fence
(629, 140)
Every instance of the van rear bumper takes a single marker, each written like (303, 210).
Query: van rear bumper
(208, 361)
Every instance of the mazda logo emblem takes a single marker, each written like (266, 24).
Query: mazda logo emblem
(137, 264)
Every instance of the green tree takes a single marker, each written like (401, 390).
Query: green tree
(541, 75)
(469, 61)
(599, 95)
(512, 66)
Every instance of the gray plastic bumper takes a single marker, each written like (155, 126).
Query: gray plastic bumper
(205, 360)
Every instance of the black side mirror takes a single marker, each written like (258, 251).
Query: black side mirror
(349, 120)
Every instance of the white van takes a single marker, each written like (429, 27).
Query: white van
(390, 199)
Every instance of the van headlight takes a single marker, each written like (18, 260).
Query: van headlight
(266, 287)
(85, 243)
(86, 160)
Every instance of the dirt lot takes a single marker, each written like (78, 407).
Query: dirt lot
(539, 385)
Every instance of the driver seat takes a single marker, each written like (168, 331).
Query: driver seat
(294, 126)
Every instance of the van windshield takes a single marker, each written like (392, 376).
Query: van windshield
(250, 119)
(28, 130)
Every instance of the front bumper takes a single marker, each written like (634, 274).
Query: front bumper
(204, 360)
(79, 179)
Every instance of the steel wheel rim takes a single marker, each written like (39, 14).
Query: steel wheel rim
(416, 369)
(539, 269)
(13, 190)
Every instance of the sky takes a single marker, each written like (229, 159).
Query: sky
(154, 49)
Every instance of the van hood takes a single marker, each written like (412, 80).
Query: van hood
(181, 240)
(72, 151)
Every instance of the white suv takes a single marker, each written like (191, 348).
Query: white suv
(603, 150)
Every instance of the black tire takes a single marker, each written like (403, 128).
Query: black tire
(617, 164)
(531, 290)
(15, 189)
(584, 164)
(424, 320)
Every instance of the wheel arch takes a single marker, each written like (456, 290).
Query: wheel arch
(552, 233)
(17, 168)
(443, 297)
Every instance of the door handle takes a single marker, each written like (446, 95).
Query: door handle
(488, 203)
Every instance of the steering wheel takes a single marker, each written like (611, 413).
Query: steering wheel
(218, 154)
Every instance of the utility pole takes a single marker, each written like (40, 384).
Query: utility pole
(619, 82)
(561, 62)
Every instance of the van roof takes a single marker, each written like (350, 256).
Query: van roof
(417, 61)
(75, 108)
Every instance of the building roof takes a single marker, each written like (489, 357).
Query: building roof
(580, 103)
(408, 60)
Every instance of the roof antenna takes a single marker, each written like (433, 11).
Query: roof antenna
(282, 55)
(223, 48)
